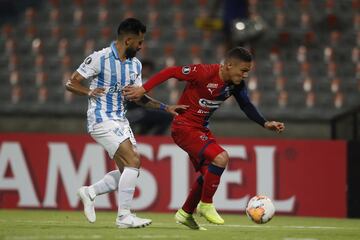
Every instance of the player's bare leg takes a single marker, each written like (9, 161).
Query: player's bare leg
(127, 157)
(87, 194)
(212, 176)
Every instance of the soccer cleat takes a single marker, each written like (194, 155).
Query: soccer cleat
(132, 221)
(208, 211)
(89, 209)
(187, 219)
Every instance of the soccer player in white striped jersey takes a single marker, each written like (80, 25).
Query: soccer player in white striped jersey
(109, 71)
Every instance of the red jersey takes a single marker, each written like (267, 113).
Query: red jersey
(205, 91)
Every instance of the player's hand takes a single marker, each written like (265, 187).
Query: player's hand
(133, 93)
(176, 109)
(96, 92)
(275, 126)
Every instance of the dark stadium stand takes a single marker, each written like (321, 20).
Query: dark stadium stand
(307, 61)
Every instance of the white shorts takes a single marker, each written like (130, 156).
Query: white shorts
(111, 133)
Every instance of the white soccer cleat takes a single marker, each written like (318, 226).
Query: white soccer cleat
(132, 221)
(89, 209)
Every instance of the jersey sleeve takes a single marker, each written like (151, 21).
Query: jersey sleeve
(90, 67)
(189, 73)
(182, 73)
(242, 97)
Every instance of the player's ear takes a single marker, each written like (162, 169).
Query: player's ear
(229, 65)
(127, 41)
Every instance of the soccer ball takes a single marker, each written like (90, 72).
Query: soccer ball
(260, 209)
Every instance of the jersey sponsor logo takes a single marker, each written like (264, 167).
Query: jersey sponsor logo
(186, 70)
(202, 111)
(88, 60)
(115, 88)
(209, 103)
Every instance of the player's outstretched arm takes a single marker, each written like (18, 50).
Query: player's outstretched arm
(242, 97)
(149, 102)
(74, 85)
(274, 126)
(186, 73)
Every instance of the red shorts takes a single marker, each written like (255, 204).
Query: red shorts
(200, 144)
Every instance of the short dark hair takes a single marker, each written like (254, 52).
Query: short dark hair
(239, 53)
(131, 25)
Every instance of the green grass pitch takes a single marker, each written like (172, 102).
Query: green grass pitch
(50, 224)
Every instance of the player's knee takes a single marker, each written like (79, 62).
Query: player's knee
(133, 161)
(136, 161)
(130, 160)
(221, 160)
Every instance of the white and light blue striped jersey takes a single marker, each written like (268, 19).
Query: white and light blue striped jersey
(105, 69)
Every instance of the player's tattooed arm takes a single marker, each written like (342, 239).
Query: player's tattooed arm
(149, 102)
(74, 85)
(133, 93)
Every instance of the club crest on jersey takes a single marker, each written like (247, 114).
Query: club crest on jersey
(133, 76)
(186, 70)
(204, 137)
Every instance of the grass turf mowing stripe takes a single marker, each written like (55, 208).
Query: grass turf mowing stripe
(53, 224)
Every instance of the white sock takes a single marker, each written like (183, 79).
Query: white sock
(107, 184)
(126, 190)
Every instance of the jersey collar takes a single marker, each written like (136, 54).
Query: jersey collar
(116, 55)
(114, 50)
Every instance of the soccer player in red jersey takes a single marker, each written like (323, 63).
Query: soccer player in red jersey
(208, 85)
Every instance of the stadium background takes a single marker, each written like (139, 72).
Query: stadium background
(306, 73)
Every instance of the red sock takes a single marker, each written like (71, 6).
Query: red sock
(211, 183)
(194, 196)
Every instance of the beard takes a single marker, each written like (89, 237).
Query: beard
(130, 52)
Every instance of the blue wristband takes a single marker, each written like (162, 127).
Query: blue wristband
(163, 106)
